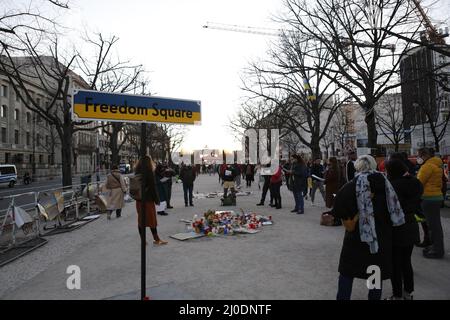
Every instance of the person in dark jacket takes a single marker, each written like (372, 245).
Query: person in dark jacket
(229, 178)
(150, 198)
(161, 186)
(350, 166)
(187, 176)
(299, 175)
(369, 208)
(317, 173)
(249, 174)
(332, 181)
(409, 191)
(169, 173)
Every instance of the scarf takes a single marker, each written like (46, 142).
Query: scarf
(365, 207)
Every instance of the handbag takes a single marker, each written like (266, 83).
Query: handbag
(327, 219)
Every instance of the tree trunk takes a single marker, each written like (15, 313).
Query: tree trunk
(315, 149)
(114, 149)
(371, 130)
(66, 156)
(114, 142)
(436, 145)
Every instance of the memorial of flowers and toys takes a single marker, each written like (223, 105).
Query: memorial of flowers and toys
(215, 223)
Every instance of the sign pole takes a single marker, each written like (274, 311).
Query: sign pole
(143, 220)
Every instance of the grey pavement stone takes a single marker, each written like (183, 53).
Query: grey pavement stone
(295, 258)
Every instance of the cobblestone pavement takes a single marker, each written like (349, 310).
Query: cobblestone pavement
(296, 258)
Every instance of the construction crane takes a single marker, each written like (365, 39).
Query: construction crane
(278, 32)
(431, 34)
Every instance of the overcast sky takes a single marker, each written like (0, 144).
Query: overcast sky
(186, 60)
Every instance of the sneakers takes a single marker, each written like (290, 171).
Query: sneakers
(163, 213)
(260, 204)
(300, 212)
(295, 210)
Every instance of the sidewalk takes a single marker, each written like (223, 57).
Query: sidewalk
(296, 258)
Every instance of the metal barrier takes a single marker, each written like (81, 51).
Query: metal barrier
(62, 200)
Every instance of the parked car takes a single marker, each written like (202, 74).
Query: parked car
(8, 175)
(124, 168)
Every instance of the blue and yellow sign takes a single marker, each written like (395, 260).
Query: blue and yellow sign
(102, 106)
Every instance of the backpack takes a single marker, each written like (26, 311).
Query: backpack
(136, 187)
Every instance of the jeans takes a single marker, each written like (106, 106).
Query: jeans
(345, 286)
(402, 270)
(188, 189)
(299, 201)
(432, 212)
(317, 185)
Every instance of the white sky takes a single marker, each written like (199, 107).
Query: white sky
(186, 60)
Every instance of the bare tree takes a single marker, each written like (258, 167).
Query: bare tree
(294, 81)
(390, 120)
(52, 72)
(108, 74)
(437, 118)
(357, 36)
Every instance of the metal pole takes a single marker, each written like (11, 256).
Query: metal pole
(143, 240)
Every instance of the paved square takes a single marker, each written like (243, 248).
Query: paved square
(295, 258)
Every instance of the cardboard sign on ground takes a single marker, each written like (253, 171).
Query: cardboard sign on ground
(187, 235)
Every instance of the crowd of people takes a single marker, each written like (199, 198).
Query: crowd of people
(380, 206)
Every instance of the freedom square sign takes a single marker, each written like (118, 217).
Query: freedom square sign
(102, 106)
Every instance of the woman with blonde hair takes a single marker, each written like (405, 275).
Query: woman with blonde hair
(150, 198)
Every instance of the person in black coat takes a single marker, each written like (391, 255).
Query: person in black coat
(409, 191)
(299, 175)
(356, 257)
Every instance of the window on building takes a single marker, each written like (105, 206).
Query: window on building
(30, 157)
(38, 140)
(4, 111)
(41, 158)
(28, 139)
(28, 117)
(38, 102)
(4, 91)
(47, 140)
(16, 137)
(16, 114)
(17, 97)
(39, 118)
(4, 135)
(7, 157)
(50, 159)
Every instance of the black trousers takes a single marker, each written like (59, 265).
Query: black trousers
(266, 187)
(169, 191)
(275, 192)
(402, 270)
